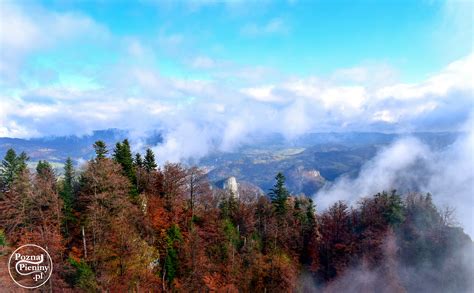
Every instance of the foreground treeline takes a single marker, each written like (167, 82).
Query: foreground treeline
(123, 224)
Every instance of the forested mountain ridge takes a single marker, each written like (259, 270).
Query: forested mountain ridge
(167, 229)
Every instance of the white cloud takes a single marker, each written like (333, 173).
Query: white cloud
(203, 62)
(370, 74)
(295, 121)
(17, 31)
(262, 93)
(458, 75)
(170, 40)
(345, 98)
(187, 140)
(409, 165)
(384, 116)
(234, 132)
(25, 29)
(381, 173)
(224, 115)
(455, 27)
(273, 27)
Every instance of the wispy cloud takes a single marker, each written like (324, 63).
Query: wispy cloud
(24, 30)
(276, 26)
(226, 114)
(410, 165)
(203, 62)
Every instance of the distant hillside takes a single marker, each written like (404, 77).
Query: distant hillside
(57, 149)
(307, 162)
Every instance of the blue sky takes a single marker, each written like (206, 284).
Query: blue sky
(219, 72)
(296, 37)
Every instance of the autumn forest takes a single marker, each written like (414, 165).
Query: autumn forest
(121, 223)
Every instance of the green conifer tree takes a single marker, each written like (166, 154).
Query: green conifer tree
(279, 194)
(123, 156)
(44, 168)
(11, 166)
(100, 149)
(150, 163)
(138, 162)
(67, 192)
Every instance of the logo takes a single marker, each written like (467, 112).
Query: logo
(30, 266)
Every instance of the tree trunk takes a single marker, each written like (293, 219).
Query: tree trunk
(84, 242)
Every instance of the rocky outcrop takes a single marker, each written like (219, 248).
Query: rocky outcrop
(231, 185)
(302, 180)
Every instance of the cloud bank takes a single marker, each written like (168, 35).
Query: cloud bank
(408, 165)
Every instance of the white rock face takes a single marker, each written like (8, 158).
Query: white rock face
(314, 174)
(231, 185)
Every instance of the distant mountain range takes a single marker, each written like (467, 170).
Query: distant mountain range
(308, 161)
(59, 148)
